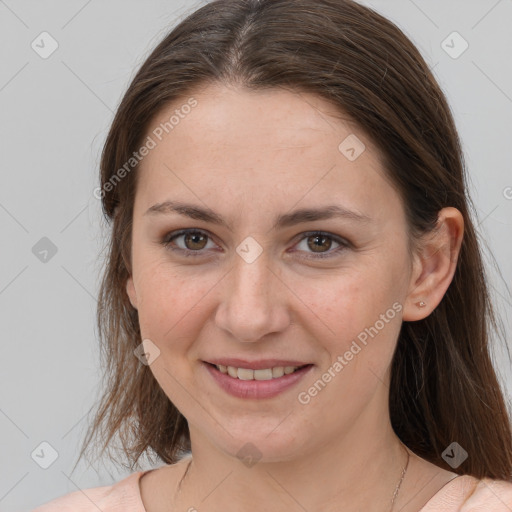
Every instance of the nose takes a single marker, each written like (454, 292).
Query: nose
(253, 301)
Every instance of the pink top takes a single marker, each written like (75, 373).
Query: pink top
(462, 494)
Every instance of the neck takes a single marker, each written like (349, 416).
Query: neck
(361, 471)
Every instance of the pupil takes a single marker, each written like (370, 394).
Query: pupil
(194, 237)
(315, 246)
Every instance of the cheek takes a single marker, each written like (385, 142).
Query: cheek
(357, 315)
(169, 303)
(344, 303)
(366, 321)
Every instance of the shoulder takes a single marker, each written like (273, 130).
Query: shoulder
(469, 494)
(122, 496)
(491, 495)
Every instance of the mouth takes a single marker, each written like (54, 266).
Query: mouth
(271, 373)
(262, 383)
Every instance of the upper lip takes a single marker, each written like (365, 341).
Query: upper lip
(257, 364)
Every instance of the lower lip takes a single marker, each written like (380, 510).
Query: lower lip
(256, 388)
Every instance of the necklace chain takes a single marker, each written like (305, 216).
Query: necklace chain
(404, 471)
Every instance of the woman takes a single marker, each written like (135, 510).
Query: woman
(294, 312)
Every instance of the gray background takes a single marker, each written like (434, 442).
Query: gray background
(55, 113)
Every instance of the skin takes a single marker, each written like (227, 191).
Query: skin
(250, 156)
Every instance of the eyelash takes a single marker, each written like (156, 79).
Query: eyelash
(166, 242)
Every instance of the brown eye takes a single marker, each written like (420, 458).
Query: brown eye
(195, 240)
(317, 243)
(192, 242)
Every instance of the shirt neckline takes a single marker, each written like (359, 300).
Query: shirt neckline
(140, 504)
(137, 476)
(444, 490)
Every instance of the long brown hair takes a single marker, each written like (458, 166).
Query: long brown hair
(443, 385)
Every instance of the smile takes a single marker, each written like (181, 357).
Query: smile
(256, 384)
(262, 374)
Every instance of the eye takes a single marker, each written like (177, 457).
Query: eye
(194, 241)
(317, 241)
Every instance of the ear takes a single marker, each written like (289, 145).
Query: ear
(434, 265)
(130, 290)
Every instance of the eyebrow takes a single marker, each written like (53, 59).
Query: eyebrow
(281, 221)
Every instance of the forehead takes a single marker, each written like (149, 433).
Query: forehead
(271, 146)
(239, 118)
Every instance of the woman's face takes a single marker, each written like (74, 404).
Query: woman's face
(255, 282)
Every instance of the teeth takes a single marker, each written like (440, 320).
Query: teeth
(263, 374)
(278, 371)
(242, 373)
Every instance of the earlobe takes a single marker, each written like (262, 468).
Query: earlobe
(130, 290)
(435, 265)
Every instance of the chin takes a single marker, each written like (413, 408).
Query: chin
(252, 446)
